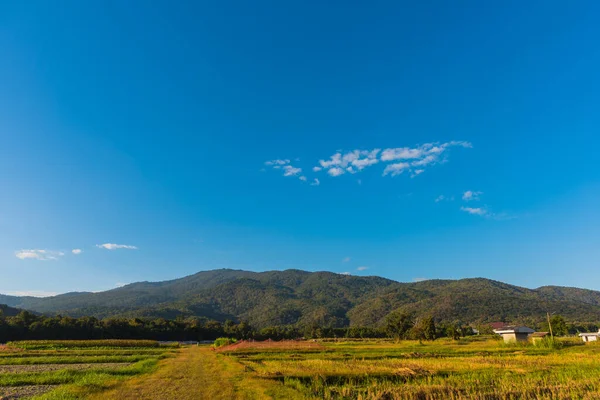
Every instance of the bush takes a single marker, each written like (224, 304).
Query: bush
(223, 341)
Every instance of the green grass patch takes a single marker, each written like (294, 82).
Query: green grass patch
(66, 344)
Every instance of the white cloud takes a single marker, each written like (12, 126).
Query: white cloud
(302, 178)
(113, 246)
(277, 162)
(316, 182)
(444, 198)
(335, 171)
(346, 259)
(345, 273)
(419, 279)
(398, 159)
(474, 211)
(395, 169)
(76, 251)
(401, 153)
(291, 171)
(120, 284)
(417, 172)
(363, 268)
(38, 254)
(33, 293)
(470, 195)
(335, 160)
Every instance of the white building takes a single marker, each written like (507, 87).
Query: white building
(514, 333)
(589, 337)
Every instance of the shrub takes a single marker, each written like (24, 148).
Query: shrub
(223, 341)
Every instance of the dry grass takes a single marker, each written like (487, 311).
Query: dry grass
(198, 373)
(269, 345)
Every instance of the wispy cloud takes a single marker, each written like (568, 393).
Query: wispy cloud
(315, 182)
(38, 254)
(289, 170)
(113, 246)
(475, 211)
(120, 284)
(346, 259)
(277, 162)
(419, 279)
(76, 251)
(346, 273)
(363, 268)
(471, 195)
(444, 198)
(396, 169)
(414, 160)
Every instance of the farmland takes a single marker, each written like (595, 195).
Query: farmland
(469, 368)
(73, 369)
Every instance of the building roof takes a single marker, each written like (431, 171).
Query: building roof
(589, 334)
(513, 329)
(498, 325)
(538, 334)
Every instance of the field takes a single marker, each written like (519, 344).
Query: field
(444, 369)
(475, 368)
(73, 369)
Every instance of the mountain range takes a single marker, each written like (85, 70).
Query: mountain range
(328, 299)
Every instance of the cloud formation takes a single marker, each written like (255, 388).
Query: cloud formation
(38, 254)
(113, 246)
(397, 160)
(346, 259)
(362, 268)
(471, 195)
(475, 211)
(76, 251)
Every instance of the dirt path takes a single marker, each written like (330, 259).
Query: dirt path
(198, 373)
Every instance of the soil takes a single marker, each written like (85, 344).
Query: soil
(19, 392)
(8, 369)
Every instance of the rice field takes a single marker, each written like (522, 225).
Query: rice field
(474, 368)
(479, 368)
(73, 369)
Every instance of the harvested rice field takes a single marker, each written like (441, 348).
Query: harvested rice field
(474, 368)
(73, 369)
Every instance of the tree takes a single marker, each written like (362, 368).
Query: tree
(398, 324)
(559, 326)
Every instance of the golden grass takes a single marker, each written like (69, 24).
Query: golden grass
(198, 373)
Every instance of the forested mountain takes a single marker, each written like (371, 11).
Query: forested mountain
(6, 311)
(303, 298)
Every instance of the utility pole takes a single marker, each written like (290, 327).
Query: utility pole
(550, 325)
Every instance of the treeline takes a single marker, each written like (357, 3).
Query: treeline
(398, 325)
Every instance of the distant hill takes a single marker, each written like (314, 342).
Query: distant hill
(6, 311)
(328, 299)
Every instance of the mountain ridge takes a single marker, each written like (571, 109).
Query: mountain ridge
(297, 297)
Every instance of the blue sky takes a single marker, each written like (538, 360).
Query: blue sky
(157, 126)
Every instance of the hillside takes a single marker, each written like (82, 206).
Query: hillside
(324, 298)
(6, 311)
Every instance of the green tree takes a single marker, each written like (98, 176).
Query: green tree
(399, 324)
(559, 326)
